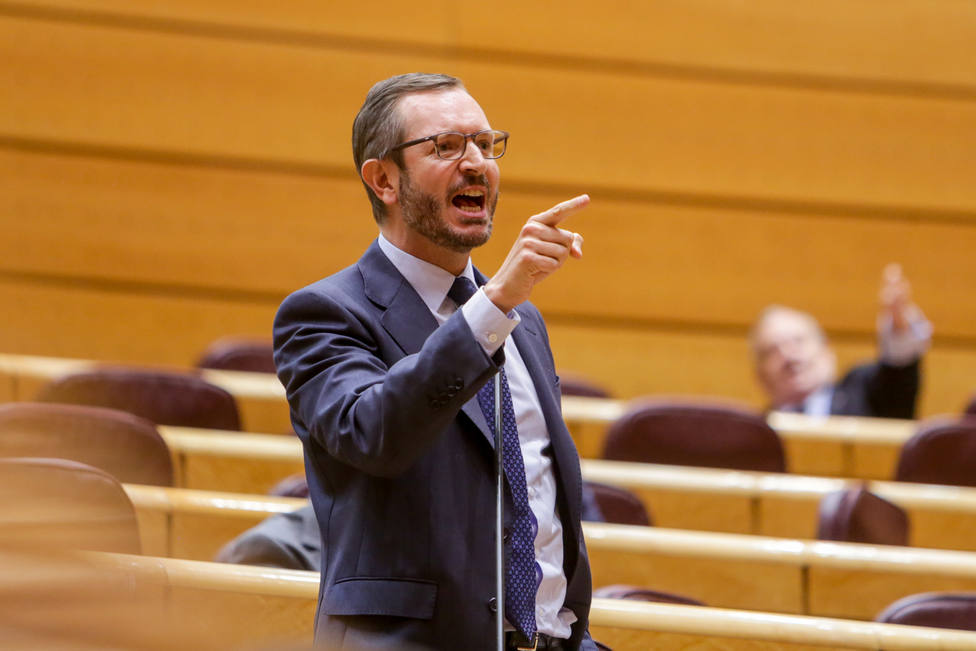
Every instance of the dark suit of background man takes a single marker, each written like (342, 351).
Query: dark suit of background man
(797, 368)
(382, 372)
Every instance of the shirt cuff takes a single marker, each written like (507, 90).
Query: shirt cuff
(490, 325)
(903, 348)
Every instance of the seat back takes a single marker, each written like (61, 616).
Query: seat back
(859, 516)
(59, 504)
(939, 609)
(622, 591)
(291, 486)
(163, 397)
(970, 409)
(695, 434)
(940, 452)
(571, 384)
(619, 505)
(239, 354)
(124, 445)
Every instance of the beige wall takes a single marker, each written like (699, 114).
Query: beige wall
(170, 171)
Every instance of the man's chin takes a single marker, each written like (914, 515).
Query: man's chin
(472, 236)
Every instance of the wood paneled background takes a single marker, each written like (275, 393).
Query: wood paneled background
(169, 171)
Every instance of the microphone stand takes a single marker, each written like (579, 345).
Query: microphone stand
(499, 494)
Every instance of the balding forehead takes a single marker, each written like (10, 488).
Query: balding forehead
(777, 319)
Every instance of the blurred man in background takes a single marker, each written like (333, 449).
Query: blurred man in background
(797, 368)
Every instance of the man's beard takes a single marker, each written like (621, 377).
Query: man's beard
(422, 213)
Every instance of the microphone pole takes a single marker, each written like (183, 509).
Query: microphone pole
(499, 531)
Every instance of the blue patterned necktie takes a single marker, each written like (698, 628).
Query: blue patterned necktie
(522, 574)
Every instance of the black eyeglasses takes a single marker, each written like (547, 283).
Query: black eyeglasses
(451, 145)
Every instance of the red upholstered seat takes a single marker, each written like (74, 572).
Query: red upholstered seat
(695, 434)
(124, 445)
(163, 397)
(619, 505)
(859, 516)
(939, 609)
(239, 354)
(940, 452)
(59, 504)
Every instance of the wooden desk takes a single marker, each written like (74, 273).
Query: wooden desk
(678, 496)
(729, 570)
(777, 504)
(186, 523)
(251, 605)
(773, 574)
(231, 461)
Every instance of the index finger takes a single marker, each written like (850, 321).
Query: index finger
(562, 210)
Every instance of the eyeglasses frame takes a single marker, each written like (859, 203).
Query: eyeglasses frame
(467, 137)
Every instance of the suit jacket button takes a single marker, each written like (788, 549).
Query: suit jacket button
(458, 384)
(493, 605)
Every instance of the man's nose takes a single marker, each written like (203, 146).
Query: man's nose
(473, 161)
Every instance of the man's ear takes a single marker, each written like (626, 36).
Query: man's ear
(383, 178)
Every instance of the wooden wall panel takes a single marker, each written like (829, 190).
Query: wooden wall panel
(89, 323)
(268, 232)
(903, 41)
(233, 98)
(189, 93)
(584, 128)
(183, 226)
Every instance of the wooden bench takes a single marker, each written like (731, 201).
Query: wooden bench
(721, 569)
(259, 605)
(864, 448)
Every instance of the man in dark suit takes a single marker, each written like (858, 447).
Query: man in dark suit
(384, 365)
(797, 368)
(288, 540)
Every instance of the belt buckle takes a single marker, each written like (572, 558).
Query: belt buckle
(535, 643)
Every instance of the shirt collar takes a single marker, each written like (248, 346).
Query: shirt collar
(428, 280)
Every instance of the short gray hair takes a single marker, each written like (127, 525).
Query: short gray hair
(378, 128)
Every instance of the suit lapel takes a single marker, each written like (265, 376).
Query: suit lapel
(406, 317)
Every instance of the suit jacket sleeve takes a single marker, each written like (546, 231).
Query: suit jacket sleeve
(365, 409)
(879, 390)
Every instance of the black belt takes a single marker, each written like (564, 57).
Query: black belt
(515, 641)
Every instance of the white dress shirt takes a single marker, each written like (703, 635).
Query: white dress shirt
(491, 328)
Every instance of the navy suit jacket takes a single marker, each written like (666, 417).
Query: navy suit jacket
(400, 460)
(878, 390)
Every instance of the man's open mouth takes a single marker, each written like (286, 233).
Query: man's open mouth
(470, 200)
